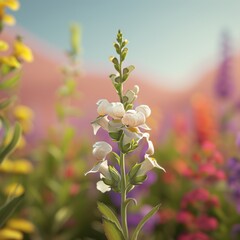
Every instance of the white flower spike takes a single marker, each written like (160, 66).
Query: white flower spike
(101, 150)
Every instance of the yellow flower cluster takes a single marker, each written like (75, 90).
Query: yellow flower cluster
(20, 53)
(15, 228)
(6, 18)
(19, 166)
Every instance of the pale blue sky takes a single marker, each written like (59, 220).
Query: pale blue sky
(168, 38)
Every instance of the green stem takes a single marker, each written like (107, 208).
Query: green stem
(123, 196)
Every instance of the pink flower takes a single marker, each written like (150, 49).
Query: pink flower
(194, 236)
(206, 223)
(185, 217)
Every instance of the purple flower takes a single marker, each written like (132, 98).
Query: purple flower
(235, 232)
(135, 218)
(224, 83)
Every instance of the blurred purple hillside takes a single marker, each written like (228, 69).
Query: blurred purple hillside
(42, 77)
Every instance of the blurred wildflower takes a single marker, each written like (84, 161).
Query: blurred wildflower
(11, 4)
(21, 52)
(10, 234)
(19, 166)
(224, 82)
(3, 46)
(14, 189)
(204, 118)
(20, 224)
(195, 213)
(233, 168)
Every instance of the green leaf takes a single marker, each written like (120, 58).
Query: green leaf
(112, 232)
(5, 103)
(10, 83)
(109, 215)
(134, 170)
(115, 135)
(143, 221)
(116, 156)
(5, 69)
(5, 151)
(129, 200)
(114, 174)
(138, 180)
(7, 209)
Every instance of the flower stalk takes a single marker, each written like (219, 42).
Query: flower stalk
(123, 195)
(125, 125)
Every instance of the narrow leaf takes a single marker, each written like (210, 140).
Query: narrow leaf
(5, 103)
(5, 151)
(7, 209)
(111, 230)
(109, 214)
(143, 221)
(9, 83)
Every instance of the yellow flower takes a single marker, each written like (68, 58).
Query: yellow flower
(14, 190)
(20, 166)
(9, 234)
(12, 4)
(6, 166)
(11, 61)
(22, 112)
(3, 46)
(22, 51)
(21, 225)
(24, 115)
(8, 19)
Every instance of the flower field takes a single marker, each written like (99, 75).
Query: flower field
(114, 158)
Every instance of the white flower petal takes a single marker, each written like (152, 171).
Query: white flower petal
(115, 110)
(102, 187)
(145, 127)
(150, 150)
(145, 109)
(147, 165)
(103, 105)
(133, 119)
(100, 122)
(102, 168)
(101, 150)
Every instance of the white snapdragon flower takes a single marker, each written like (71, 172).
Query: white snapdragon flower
(100, 122)
(133, 118)
(102, 187)
(115, 110)
(147, 165)
(103, 105)
(101, 150)
(145, 109)
(102, 168)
